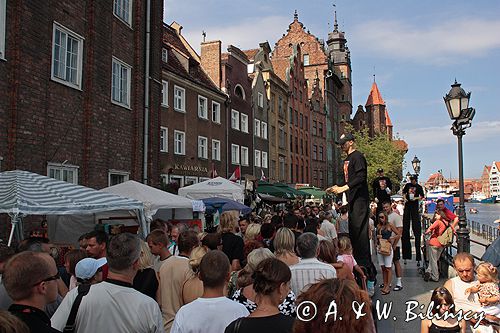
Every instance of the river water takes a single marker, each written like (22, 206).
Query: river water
(486, 213)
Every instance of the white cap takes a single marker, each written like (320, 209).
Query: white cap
(87, 267)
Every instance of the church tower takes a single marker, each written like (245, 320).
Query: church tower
(339, 57)
(376, 112)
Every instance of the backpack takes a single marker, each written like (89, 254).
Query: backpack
(446, 238)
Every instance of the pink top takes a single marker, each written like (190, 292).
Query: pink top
(488, 289)
(348, 260)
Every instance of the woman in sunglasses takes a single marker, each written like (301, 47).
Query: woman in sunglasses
(442, 302)
(385, 231)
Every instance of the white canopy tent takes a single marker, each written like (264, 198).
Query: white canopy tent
(25, 193)
(217, 187)
(154, 199)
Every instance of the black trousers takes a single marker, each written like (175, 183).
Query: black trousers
(358, 231)
(411, 214)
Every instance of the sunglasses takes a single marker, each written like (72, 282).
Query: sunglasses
(381, 217)
(50, 278)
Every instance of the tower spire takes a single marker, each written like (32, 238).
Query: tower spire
(296, 16)
(335, 25)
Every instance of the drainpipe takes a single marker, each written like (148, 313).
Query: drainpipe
(146, 93)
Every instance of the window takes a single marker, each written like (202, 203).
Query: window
(281, 161)
(280, 105)
(291, 115)
(164, 139)
(244, 123)
(164, 93)
(282, 137)
(238, 91)
(315, 152)
(64, 172)
(264, 159)
(164, 55)
(3, 10)
(216, 112)
(202, 107)
(306, 59)
(67, 54)
(117, 177)
(301, 123)
(256, 128)
(235, 120)
(122, 9)
(235, 154)
(244, 155)
(179, 143)
(291, 142)
(320, 126)
(320, 153)
(260, 100)
(202, 147)
(215, 150)
(257, 158)
(179, 99)
(120, 85)
(315, 126)
(264, 130)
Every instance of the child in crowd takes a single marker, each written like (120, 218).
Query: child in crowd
(488, 290)
(345, 255)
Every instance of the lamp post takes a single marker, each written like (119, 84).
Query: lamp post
(457, 103)
(416, 165)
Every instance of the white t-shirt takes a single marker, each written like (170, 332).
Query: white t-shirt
(329, 229)
(207, 315)
(397, 220)
(111, 308)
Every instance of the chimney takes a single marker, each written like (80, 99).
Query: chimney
(211, 60)
(177, 27)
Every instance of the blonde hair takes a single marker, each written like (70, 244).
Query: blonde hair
(11, 323)
(228, 222)
(253, 230)
(488, 270)
(284, 241)
(145, 258)
(345, 245)
(253, 259)
(195, 258)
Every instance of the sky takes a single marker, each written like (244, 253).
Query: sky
(416, 49)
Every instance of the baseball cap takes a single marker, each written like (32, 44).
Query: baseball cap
(380, 170)
(87, 267)
(344, 138)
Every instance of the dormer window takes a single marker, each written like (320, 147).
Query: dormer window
(238, 91)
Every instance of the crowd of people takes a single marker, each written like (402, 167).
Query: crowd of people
(252, 274)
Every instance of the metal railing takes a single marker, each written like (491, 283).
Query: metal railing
(488, 232)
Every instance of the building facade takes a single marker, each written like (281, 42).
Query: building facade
(495, 179)
(193, 119)
(318, 137)
(77, 82)
(485, 180)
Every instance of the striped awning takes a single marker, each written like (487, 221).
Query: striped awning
(27, 193)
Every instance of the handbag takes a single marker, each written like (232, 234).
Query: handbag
(446, 238)
(385, 247)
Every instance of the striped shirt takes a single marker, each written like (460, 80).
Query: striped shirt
(310, 271)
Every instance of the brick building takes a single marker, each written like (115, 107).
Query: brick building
(229, 71)
(376, 117)
(193, 118)
(485, 180)
(77, 82)
(258, 61)
(318, 137)
(328, 63)
(298, 110)
(277, 95)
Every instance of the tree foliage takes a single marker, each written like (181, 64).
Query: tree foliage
(380, 152)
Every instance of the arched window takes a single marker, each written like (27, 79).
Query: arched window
(239, 91)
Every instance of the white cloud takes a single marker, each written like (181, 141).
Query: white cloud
(442, 135)
(442, 44)
(247, 34)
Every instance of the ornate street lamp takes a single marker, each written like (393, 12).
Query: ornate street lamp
(416, 165)
(457, 103)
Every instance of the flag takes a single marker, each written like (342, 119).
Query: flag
(236, 174)
(213, 173)
(262, 176)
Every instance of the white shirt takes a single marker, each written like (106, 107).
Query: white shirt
(310, 271)
(111, 308)
(462, 301)
(329, 229)
(397, 220)
(207, 315)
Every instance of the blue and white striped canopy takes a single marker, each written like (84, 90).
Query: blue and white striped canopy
(27, 193)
